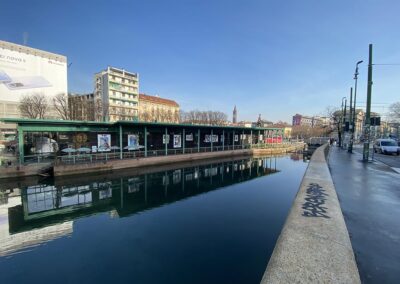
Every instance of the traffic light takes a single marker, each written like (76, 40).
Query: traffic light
(375, 121)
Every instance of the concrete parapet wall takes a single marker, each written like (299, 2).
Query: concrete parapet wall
(314, 245)
(60, 170)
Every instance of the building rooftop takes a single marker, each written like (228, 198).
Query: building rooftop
(157, 100)
(119, 72)
(32, 51)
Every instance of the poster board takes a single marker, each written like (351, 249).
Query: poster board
(163, 138)
(177, 141)
(133, 141)
(103, 142)
(208, 138)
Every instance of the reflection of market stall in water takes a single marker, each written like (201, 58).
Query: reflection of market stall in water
(49, 204)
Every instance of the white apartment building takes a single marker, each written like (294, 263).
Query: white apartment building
(118, 91)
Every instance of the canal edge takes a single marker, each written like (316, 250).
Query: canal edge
(314, 245)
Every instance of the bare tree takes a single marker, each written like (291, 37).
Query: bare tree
(60, 104)
(204, 117)
(305, 131)
(145, 115)
(97, 109)
(104, 110)
(176, 116)
(34, 106)
(169, 116)
(335, 116)
(26, 107)
(394, 112)
(153, 114)
(162, 115)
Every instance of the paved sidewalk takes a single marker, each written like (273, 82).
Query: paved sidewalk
(369, 194)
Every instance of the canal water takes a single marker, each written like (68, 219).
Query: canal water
(215, 222)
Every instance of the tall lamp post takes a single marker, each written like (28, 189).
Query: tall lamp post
(341, 122)
(353, 122)
(344, 121)
(350, 147)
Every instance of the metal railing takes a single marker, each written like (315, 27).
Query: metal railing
(80, 158)
(107, 156)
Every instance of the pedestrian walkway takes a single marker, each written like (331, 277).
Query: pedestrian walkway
(369, 195)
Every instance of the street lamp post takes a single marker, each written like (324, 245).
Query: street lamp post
(341, 124)
(350, 148)
(344, 121)
(353, 122)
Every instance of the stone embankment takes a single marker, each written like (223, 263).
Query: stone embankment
(17, 171)
(314, 245)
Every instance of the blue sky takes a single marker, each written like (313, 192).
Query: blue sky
(276, 58)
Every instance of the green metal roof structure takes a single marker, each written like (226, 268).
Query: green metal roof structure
(77, 123)
(47, 125)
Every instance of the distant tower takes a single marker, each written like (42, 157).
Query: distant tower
(259, 121)
(234, 120)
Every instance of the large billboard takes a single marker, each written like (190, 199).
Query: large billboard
(27, 71)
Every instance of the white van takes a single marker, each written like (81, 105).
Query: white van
(386, 146)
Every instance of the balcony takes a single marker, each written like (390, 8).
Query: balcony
(124, 91)
(133, 100)
(120, 78)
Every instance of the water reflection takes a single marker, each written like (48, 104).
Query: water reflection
(39, 213)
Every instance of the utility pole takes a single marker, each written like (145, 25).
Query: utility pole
(355, 98)
(344, 122)
(367, 124)
(350, 148)
(340, 128)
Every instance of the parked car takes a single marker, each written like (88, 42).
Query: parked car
(386, 146)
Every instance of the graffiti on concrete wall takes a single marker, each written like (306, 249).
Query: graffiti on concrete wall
(314, 205)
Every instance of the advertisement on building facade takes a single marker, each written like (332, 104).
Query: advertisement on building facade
(208, 138)
(28, 71)
(177, 141)
(163, 139)
(133, 141)
(103, 142)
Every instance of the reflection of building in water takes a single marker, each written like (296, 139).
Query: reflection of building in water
(296, 156)
(11, 243)
(47, 210)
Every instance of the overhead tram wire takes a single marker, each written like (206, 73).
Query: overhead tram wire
(386, 64)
